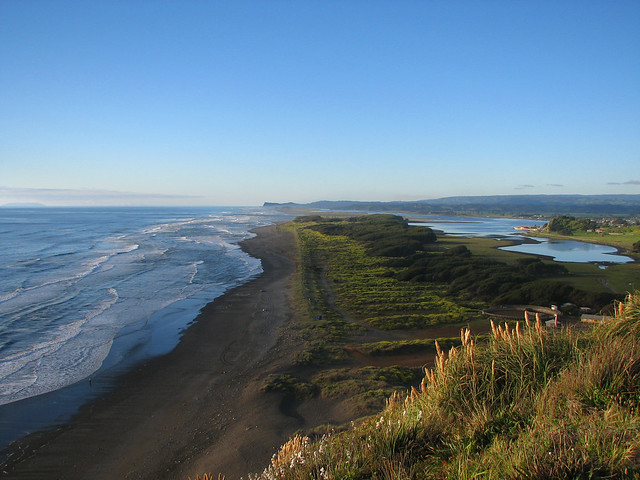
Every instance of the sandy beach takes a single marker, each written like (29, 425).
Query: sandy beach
(196, 410)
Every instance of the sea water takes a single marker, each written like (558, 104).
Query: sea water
(85, 288)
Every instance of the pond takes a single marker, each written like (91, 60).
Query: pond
(503, 228)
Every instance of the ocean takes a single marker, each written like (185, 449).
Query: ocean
(85, 291)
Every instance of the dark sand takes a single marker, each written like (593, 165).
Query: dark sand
(198, 409)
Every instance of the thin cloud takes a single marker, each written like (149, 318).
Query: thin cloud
(52, 196)
(628, 182)
(522, 187)
(554, 185)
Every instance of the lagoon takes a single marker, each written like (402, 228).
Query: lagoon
(503, 229)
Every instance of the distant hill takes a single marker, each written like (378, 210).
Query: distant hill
(494, 205)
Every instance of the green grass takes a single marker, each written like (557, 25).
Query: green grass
(620, 278)
(323, 328)
(343, 288)
(483, 247)
(364, 289)
(289, 385)
(403, 347)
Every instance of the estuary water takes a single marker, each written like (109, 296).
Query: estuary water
(558, 250)
(85, 290)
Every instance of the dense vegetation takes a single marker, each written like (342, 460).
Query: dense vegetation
(566, 225)
(463, 277)
(345, 273)
(523, 282)
(383, 235)
(527, 403)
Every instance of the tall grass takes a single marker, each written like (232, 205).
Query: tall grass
(527, 403)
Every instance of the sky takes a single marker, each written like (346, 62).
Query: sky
(134, 102)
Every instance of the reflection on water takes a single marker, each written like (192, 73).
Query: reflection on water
(571, 251)
(559, 250)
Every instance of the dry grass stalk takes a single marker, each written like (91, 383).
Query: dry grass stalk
(290, 454)
(441, 359)
(423, 383)
(393, 400)
(465, 336)
(414, 393)
(527, 322)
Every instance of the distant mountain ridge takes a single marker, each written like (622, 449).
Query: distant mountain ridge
(503, 205)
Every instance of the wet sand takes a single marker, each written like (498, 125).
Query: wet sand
(196, 410)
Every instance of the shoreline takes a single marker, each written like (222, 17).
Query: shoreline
(198, 409)
(50, 410)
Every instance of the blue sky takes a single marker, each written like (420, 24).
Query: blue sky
(237, 103)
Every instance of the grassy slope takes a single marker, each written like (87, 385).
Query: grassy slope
(526, 403)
